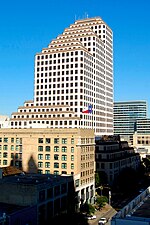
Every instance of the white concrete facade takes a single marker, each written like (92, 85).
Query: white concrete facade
(4, 121)
(73, 72)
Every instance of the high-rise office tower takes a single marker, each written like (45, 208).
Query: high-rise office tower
(73, 88)
(72, 75)
(125, 117)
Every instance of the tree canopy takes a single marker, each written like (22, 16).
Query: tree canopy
(87, 208)
(101, 201)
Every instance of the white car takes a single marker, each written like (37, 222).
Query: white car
(92, 217)
(102, 220)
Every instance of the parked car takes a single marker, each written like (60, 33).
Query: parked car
(91, 217)
(102, 220)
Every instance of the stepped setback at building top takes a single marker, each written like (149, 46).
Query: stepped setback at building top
(74, 72)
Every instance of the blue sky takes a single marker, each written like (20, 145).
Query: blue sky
(27, 26)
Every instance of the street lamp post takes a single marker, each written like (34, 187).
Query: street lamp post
(109, 197)
(101, 188)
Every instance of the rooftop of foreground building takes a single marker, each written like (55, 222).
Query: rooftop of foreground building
(35, 179)
(135, 211)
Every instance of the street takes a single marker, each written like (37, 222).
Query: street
(108, 213)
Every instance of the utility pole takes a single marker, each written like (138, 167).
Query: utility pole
(109, 197)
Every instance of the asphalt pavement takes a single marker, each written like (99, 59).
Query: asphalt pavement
(107, 212)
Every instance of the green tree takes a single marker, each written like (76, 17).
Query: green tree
(101, 201)
(97, 180)
(100, 178)
(87, 208)
(91, 209)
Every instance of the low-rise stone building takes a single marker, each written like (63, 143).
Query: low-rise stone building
(112, 156)
(44, 196)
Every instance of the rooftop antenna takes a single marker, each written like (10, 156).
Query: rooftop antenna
(86, 15)
(75, 17)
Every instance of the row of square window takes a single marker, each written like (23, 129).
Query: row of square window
(60, 85)
(40, 156)
(40, 148)
(86, 181)
(59, 55)
(75, 84)
(40, 140)
(98, 26)
(45, 110)
(89, 38)
(56, 172)
(66, 60)
(57, 49)
(83, 39)
(13, 156)
(58, 92)
(68, 97)
(56, 115)
(45, 74)
(87, 165)
(51, 123)
(67, 72)
(12, 147)
(68, 91)
(63, 55)
(56, 157)
(56, 165)
(43, 116)
(13, 140)
(71, 78)
(56, 148)
(56, 140)
(54, 103)
(47, 156)
(146, 142)
(67, 66)
(87, 172)
(66, 101)
(86, 39)
(64, 66)
(58, 124)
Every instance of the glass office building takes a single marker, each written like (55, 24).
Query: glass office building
(125, 116)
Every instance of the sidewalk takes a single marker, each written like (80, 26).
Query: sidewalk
(101, 213)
